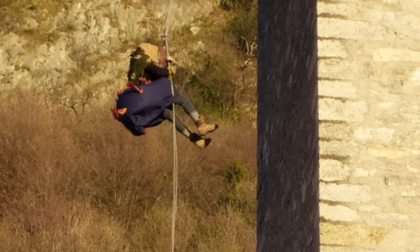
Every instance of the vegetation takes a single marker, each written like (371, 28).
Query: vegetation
(72, 179)
(86, 184)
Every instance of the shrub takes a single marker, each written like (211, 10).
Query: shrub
(243, 27)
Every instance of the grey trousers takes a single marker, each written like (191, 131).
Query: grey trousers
(188, 107)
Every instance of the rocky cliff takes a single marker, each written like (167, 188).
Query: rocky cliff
(86, 44)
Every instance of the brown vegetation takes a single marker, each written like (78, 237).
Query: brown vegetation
(84, 183)
(73, 179)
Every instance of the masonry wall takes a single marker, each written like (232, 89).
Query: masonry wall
(287, 127)
(369, 83)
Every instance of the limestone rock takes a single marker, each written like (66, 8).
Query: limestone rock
(396, 54)
(348, 29)
(381, 135)
(392, 217)
(195, 30)
(336, 9)
(333, 170)
(336, 110)
(331, 48)
(345, 193)
(337, 213)
(340, 89)
(334, 131)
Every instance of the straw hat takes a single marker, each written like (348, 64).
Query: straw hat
(150, 50)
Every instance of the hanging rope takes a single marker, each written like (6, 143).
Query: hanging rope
(175, 149)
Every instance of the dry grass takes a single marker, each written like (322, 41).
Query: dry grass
(86, 184)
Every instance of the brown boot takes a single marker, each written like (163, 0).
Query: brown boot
(204, 128)
(198, 141)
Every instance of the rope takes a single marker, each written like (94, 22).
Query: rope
(175, 149)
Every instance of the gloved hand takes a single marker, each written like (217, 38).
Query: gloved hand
(170, 60)
(172, 70)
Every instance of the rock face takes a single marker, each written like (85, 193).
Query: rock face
(89, 36)
(288, 215)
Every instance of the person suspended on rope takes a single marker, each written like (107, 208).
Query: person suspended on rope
(149, 102)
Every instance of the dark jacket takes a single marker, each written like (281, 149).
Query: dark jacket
(153, 72)
(145, 109)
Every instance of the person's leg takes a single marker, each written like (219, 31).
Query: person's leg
(193, 137)
(189, 108)
(186, 104)
(180, 127)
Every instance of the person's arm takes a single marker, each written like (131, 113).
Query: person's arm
(157, 72)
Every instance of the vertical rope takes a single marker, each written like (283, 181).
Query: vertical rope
(175, 149)
(175, 170)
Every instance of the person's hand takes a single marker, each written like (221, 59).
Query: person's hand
(170, 60)
(172, 70)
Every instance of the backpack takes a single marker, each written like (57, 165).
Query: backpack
(138, 62)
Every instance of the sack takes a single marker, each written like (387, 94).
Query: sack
(140, 110)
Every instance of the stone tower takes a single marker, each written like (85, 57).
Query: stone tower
(369, 86)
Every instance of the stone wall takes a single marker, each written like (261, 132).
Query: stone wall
(288, 215)
(369, 83)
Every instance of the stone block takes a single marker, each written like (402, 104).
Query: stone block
(336, 110)
(412, 169)
(369, 208)
(334, 131)
(409, 194)
(381, 135)
(341, 69)
(395, 54)
(363, 173)
(351, 235)
(337, 213)
(339, 89)
(391, 217)
(342, 249)
(345, 193)
(386, 152)
(336, 9)
(338, 148)
(348, 29)
(331, 48)
(333, 170)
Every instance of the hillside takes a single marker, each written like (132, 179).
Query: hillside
(73, 179)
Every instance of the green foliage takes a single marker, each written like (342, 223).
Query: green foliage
(243, 28)
(235, 173)
(204, 233)
(211, 86)
(236, 177)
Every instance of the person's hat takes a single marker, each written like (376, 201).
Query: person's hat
(150, 50)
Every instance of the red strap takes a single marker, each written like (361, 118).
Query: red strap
(162, 52)
(132, 86)
(115, 114)
(145, 81)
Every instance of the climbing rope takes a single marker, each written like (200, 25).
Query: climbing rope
(175, 149)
